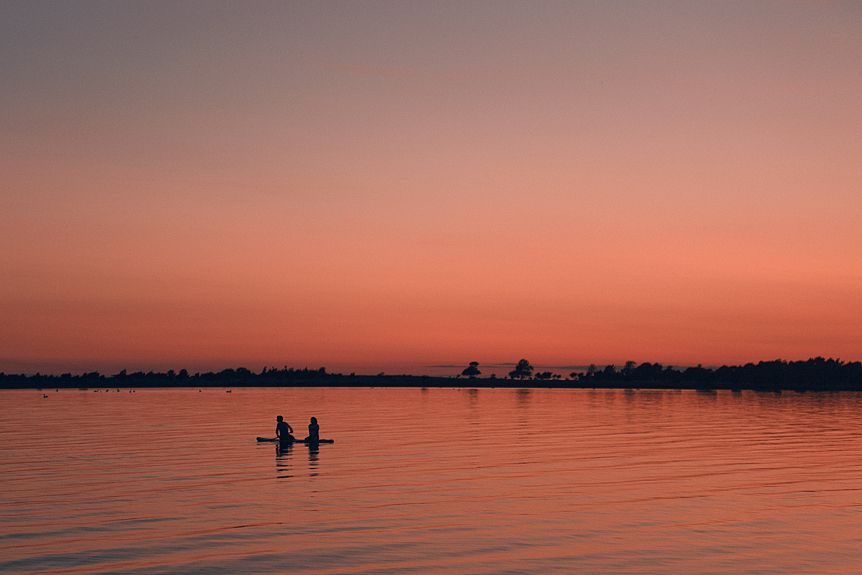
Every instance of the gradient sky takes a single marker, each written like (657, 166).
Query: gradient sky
(374, 186)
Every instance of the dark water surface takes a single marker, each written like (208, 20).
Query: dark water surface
(431, 481)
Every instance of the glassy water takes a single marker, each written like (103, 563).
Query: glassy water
(430, 481)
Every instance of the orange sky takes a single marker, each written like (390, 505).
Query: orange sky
(390, 186)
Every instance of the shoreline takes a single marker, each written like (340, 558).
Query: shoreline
(815, 374)
(40, 382)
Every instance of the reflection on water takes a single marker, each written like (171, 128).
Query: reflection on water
(283, 451)
(431, 480)
(313, 451)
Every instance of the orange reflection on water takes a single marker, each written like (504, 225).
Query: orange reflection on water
(427, 480)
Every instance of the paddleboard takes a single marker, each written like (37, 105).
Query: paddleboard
(274, 439)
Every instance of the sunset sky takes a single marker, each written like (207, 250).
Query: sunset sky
(391, 186)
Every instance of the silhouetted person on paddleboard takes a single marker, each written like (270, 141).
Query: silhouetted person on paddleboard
(283, 430)
(313, 431)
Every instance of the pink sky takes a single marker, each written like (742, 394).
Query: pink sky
(389, 186)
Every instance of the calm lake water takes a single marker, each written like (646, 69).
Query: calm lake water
(431, 481)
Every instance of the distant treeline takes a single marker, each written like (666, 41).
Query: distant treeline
(815, 374)
(240, 376)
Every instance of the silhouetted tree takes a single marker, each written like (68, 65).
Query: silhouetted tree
(522, 370)
(472, 370)
(647, 372)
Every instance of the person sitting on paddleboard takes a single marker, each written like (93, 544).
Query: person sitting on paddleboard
(283, 430)
(313, 430)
